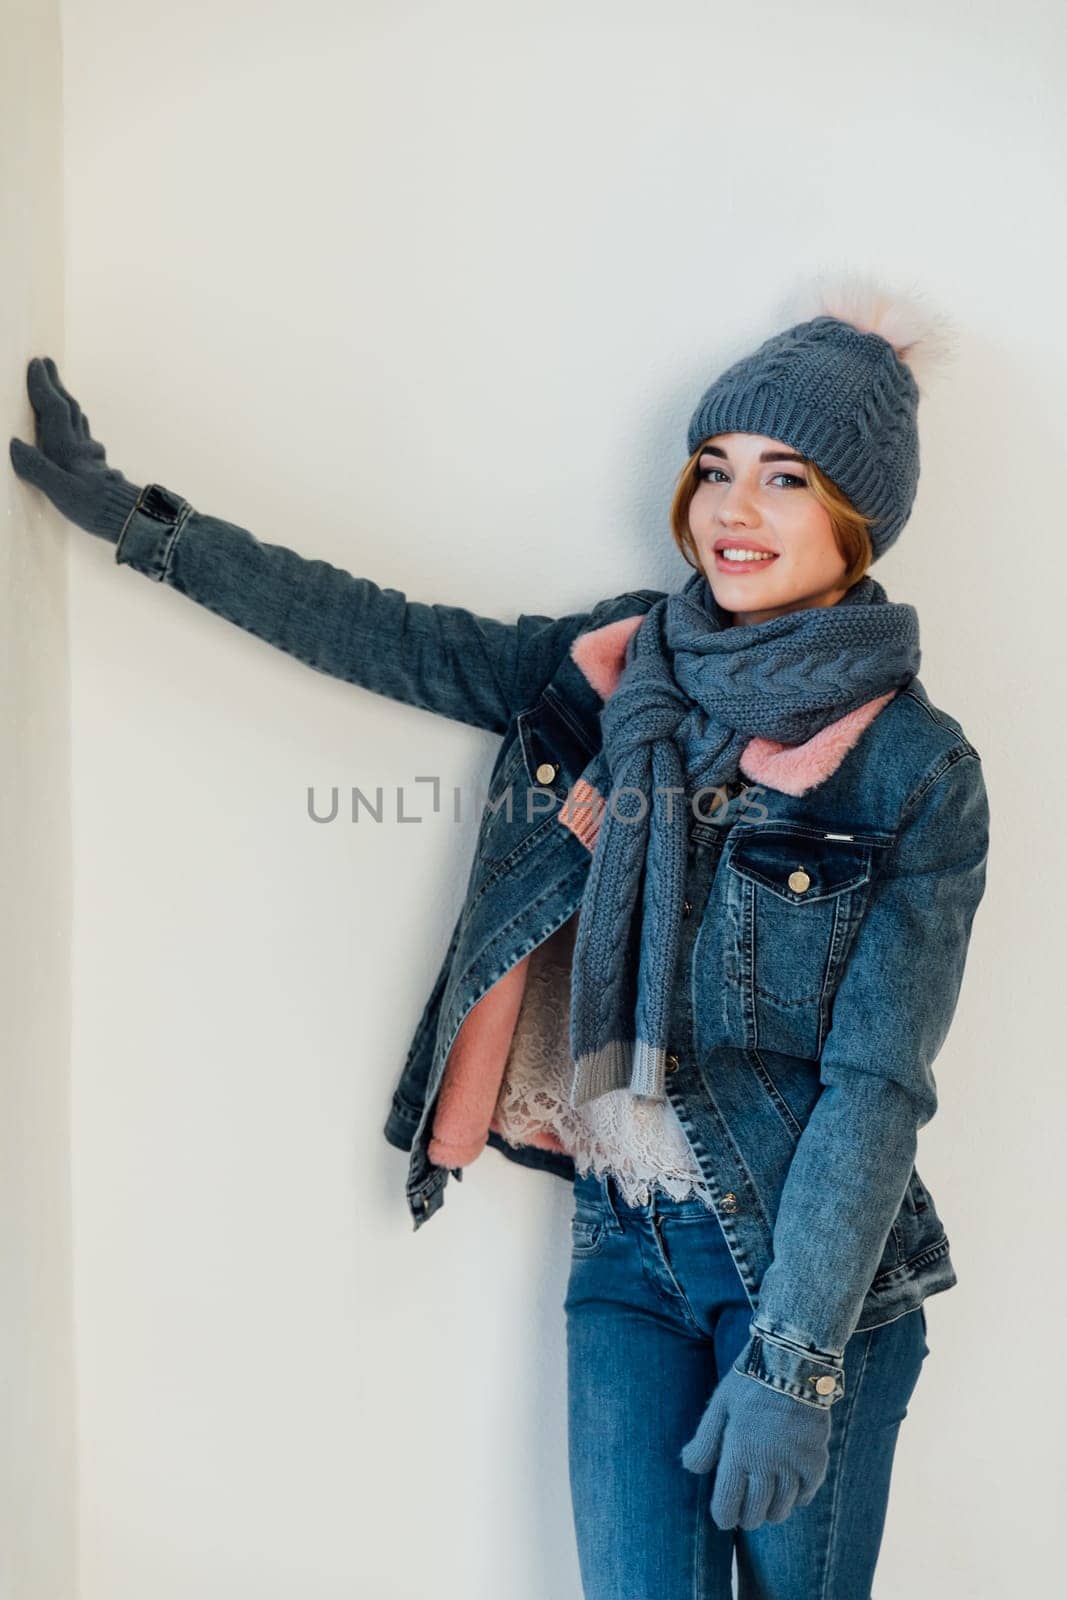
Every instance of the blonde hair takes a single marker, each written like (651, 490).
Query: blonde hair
(850, 527)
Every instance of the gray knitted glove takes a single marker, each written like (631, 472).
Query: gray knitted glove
(67, 462)
(769, 1451)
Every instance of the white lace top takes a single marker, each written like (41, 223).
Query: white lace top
(639, 1141)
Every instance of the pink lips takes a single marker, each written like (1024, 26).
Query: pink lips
(737, 568)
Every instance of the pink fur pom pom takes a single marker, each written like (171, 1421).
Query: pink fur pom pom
(923, 339)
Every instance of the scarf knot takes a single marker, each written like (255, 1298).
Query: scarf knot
(694, 690)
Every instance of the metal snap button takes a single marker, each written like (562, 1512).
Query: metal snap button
(825, 1385)
(546, 771)
(729, 1202)
(670, 1062)
(687, 906)
(799, 880)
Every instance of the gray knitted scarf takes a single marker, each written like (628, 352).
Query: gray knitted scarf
(693, 691)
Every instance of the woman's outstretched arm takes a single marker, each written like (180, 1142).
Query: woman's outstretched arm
(442, 658)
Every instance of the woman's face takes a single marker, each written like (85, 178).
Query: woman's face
(753, 497)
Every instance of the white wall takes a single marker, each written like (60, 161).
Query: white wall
(430, 292)
(37, 1406)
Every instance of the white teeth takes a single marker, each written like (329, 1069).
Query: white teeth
(746, 555)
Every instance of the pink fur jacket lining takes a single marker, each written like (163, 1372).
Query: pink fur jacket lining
(466, 1106)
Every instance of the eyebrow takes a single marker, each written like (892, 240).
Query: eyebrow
(767, 455)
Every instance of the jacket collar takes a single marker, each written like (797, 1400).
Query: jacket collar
(600, 654)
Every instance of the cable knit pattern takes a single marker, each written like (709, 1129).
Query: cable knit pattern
(837, 394)
(695, 691)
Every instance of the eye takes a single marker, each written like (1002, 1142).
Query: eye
(715, 474)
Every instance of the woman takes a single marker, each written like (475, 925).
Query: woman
(712, 942)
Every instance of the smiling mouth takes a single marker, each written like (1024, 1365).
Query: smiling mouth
(740, 558)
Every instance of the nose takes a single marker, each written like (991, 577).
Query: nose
(736, 508)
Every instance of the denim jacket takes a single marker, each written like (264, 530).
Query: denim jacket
(830, 955)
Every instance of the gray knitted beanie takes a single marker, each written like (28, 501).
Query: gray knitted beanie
(840, 388)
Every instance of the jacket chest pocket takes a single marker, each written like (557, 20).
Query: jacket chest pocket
(794, 898)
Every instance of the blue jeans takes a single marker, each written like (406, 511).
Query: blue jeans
(656, 1311)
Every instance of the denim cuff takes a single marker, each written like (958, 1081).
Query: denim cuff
(814, 1379)
(401, 1123)
(147, 538)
